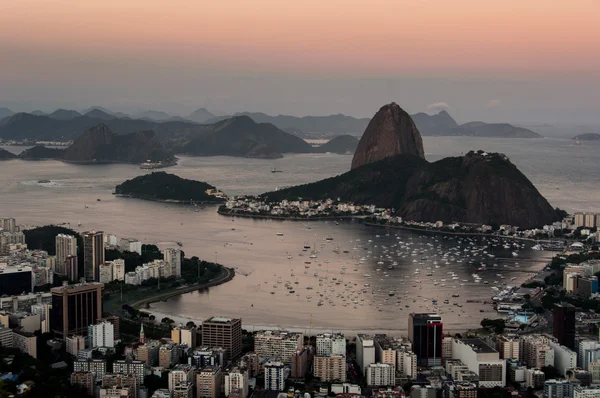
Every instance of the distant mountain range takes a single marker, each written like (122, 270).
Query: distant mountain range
(64, 125)
(6, 155)
(100, 145)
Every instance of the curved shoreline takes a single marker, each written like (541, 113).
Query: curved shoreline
(172, 201)
(226, 276)
(284, 218)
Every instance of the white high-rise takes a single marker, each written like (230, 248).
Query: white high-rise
(236, 379)
(331, 344)
(66, 245)
(118, 270)
(101, 335)
(172, 259)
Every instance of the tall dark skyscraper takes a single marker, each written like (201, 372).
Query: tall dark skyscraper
(93, 254)
(223, 332)
(425, 332)
(75, 307)
(563, 317)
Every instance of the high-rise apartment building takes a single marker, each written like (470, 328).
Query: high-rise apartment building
(563, 317)
(236, 379)
(277, 344)
(184, 335)
(425, 331)
(208, 382)
(72, 268)
(331, 344)
(66, 245)
(223, 332)
(101, 335)
(329, 368)
(85, 380)
(380, 374)
(365, 351)
(275, 375)
(172, 259)
(180, 374)
(133, 367)
(93, 254)
(75, 307)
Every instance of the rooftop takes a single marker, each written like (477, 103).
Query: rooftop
(479, 346)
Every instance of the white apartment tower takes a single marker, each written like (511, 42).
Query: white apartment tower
(101, 335)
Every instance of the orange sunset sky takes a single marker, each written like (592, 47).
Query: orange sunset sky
(498, 59)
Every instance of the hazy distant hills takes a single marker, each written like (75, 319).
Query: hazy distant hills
(64, 124)
(201, 115)
(440, 124)
(242, 136)
(341, 144)
(5, 112)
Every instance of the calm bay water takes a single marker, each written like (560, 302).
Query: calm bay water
(569, 177)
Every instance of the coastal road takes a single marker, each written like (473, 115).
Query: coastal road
(226, 275)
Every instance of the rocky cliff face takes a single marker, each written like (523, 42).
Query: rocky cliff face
(480, 188)
(99, 144)
(391, 132)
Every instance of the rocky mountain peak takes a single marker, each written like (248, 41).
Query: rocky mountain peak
(390, 132)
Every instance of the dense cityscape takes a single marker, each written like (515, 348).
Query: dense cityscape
(80, 316)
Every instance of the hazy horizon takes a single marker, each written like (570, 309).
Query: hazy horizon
(511, 61)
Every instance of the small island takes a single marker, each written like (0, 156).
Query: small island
(164, 187)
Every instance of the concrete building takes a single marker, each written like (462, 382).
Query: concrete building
(97, 367)
(559, 388)
(15, 280)
(43, 311)
(586, 392)
(594, 369)
(251, 361)
(446, 348)
(72, 268)
(535, 351)
(380, 375)
(564, 358)
(75, 307)
(183, 390)
(585, 352)
(465, 390)
(365, 351)
(425, 331)
(330, 368)
(236, 379)
(275, 375)
(6, 336)
(131, 245)
(184, 335)
(563, 316)
(300, 366)
(223, 332)
(407, 363)
(105, 273)
(133, 367)
(162, 393)
(114, 392)
(277, 345)
(29, 323)
(180, 374)
(209, 381)
(121, 382)
(481, 359)
(118, 269)
(26, 342)
(534, 378)
(508, 347)
(148, 353)
(173, 261)
(169, 355)
(93, 254)
(85, 380)
(331, 344)
(74, 344)
(346, 388)
(66, 245)
(101, 335)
